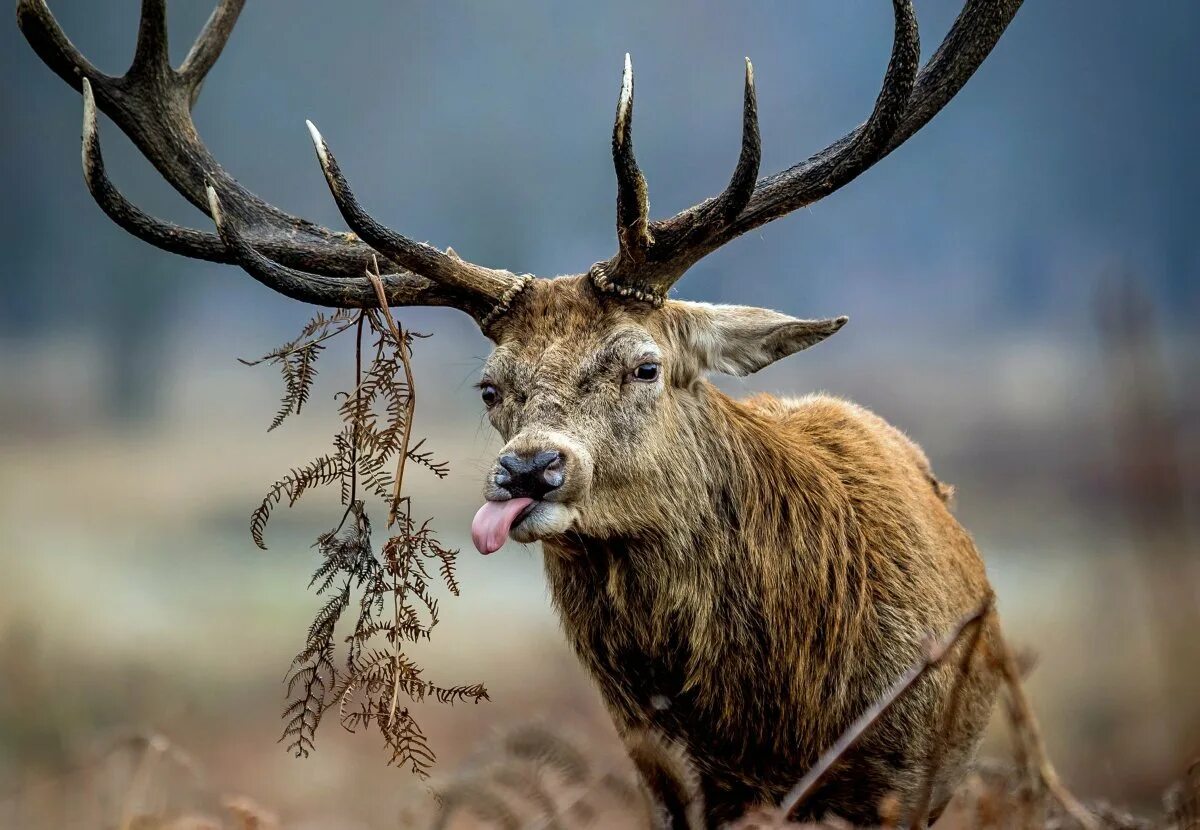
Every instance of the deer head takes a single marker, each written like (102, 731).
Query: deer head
(595, 382)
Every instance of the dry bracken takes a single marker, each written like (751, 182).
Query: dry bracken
(390, 591)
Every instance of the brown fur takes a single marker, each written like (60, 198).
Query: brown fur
(743, 577)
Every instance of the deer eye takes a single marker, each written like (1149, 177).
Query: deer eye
(645, 373)
(490, 395)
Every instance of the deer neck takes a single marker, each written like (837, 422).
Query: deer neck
(674, 580)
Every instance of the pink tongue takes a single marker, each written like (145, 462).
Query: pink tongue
(489, 528)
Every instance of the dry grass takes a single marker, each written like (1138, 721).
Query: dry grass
(534, 777)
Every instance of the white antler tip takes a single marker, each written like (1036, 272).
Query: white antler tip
(625, 102)
(214, 204)
(318, 142)
(89, 108)
(90, 147)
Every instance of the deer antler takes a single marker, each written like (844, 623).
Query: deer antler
(152, 103)
(653, 255)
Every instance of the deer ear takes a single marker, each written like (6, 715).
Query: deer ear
(740, 340)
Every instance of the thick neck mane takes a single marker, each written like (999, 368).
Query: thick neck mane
(767, 531)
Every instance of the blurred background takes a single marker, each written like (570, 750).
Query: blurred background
(1021, 277)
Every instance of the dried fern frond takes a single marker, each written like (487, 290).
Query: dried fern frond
(479, 798)
(539, 745)
(392, 590)
(297, 360)
(525, 780)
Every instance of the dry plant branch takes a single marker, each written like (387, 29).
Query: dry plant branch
(921, 814)
(1041, 777)
(1026, 731)
(376, 676)
(934, 654)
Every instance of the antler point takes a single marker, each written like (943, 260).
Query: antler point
(313, 131)
(318, 143)
(89, 106)
(89, 129)
(214, 204)
(624, 103)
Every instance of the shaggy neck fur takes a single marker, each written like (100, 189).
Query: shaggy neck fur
(675, 621)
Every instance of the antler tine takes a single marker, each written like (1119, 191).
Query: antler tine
(128, 216)
(633, 197)
(971, 38)
(741, 185)
(716, 214)
(451, 271)
(169, 236)
(844, 160)
(151, 53)
(358, 292)
(160, 233)
(209, 44)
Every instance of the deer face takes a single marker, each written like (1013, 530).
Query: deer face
(595, 399)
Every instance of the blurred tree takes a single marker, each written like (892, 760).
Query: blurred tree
(1151, 481)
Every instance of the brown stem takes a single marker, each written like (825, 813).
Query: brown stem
(410, 404)
(362, 315)
(935, 758)
(299, 346)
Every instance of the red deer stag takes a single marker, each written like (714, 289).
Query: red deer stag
(741, 578)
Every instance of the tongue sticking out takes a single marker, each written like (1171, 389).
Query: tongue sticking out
(489, 528)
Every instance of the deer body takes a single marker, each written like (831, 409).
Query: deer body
(740, 577)
(756, 626)
(764, 571)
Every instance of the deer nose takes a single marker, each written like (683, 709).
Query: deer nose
(531, 476)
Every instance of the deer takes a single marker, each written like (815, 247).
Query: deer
(741, 578)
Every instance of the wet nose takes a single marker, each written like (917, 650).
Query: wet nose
(531, 476)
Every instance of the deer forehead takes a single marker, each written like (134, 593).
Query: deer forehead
(565, 328)
(572, 356)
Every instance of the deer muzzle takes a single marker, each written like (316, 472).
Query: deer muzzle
(531, 490)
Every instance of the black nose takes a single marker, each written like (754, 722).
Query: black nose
(531, 476)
